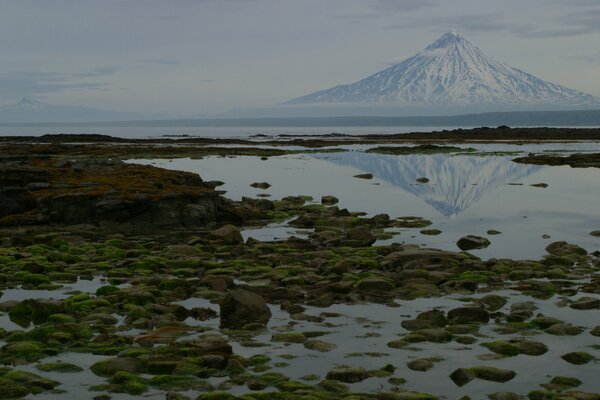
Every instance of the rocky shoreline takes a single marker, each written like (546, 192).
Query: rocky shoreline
(141, 242)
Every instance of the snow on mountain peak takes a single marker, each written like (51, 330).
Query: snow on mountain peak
(451, 71)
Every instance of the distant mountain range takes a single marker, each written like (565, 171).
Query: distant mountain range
(452, 72)
(455, 182)
(33, 111)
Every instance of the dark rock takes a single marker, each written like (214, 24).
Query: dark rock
(364, 176)
(241, 307)
(586, 303)
(467, 315)
(420, 364)
(422, 180)
(261, 185)
(375, 283)
(577, 357)
(329, 200)
(471, 242)
(564, 248)
(229, 234)
(348, 374)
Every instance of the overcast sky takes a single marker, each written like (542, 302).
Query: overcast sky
(190, 57)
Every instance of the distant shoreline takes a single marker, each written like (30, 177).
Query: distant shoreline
(572, 118)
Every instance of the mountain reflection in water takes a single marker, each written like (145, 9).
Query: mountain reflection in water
(455, 182)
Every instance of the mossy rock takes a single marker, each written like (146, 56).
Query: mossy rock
(25, 351)
(516, 347)
(289, 337)
(111, 366)
(12, 390)
(59, 367)
(577, 357)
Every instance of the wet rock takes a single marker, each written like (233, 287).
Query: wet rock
(435, 335)
(348, 374)
(12, 390)
(467, 315)
(319, 345)
(493, 302)
(430, 232)
(364, 176)
(471, 242)
(111, 366)
(416, 258)
(462, 376)
(420, 364)
(595, 331)
(329, 200)
(586, 303)
(564, 248)
(375, 283)
(422, 179)
(539, 185)
(210, 344)
(289, 337)
(517, 346)
(229, 234)
(358, 237)
(578, 395)
(261, 185)
(563, 330)
(595, 233)
(183, 250)
(577, 357)
(563, 382)
(241, 307)
(505, 396)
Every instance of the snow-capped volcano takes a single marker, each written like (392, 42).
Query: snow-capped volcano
(451, 71)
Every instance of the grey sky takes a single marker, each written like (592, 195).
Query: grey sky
(189, 57)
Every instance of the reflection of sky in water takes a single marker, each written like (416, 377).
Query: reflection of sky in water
(566, 210)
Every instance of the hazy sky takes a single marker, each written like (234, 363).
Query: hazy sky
(189, 57)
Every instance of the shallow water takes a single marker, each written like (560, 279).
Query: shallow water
(466, 194)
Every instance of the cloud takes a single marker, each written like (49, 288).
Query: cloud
(162, 62)
(571, 24)
(382, 8)
(17, 84)
(485, 22)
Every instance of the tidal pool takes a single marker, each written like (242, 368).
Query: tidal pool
(466, 194)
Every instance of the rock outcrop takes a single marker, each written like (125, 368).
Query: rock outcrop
(106, 193)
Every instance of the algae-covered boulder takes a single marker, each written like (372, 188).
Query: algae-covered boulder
(241, 307)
